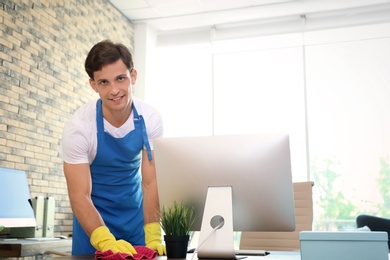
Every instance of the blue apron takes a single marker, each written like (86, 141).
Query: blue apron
(116, 184)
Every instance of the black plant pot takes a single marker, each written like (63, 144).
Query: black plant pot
(176, 246)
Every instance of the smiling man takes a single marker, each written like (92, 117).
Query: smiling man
(107, 149)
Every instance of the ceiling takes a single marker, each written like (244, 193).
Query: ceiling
(167, 15)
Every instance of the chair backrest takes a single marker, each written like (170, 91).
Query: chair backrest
(285, 241)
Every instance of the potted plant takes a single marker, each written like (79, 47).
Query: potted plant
(176, 221)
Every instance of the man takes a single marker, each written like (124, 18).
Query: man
(108, 160)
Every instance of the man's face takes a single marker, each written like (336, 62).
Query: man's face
(114, 85)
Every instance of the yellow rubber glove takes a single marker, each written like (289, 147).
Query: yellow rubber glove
(153, 238)
(103, 240)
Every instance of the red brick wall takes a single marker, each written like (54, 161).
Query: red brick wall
(43, 45)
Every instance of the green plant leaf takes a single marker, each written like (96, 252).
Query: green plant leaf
(177, 219)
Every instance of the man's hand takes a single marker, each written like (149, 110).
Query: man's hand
(103, 240)
(153, 238)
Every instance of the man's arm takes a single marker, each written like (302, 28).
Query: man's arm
(78, 179)
(150, 192)
(151, 205)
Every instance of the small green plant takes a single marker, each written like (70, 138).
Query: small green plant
(178, 219)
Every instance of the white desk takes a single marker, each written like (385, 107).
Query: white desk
(272, 255)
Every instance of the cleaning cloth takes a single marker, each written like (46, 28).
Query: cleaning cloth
(142, 253)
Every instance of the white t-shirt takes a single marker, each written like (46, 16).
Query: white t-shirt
(79, 137)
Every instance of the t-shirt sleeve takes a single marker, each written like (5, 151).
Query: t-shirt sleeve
(74, 144)
(154, 127)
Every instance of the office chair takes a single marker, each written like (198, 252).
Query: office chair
(374, 224)
(285, 241)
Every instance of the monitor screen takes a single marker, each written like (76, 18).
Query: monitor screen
(245, 180)
(15, 208)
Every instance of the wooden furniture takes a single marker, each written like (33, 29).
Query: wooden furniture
(285, 241)
(26, 247)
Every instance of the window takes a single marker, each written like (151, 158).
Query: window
(181, 88)
(260, 91)
(348, 85)
(329, 89)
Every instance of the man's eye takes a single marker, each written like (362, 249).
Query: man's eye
(121, 78)
(103, 82)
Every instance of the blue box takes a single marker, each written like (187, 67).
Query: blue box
(343, 245)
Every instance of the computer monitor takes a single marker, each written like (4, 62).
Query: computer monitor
(15, 208)
(242, 182)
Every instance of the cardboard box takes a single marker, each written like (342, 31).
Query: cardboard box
(343, 245)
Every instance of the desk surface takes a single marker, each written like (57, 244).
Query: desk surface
(25, 247)
(273, 255)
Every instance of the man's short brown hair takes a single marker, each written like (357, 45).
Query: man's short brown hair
(107, 52)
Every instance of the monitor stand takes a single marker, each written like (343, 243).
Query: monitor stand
(216, 240)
